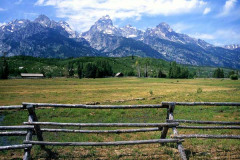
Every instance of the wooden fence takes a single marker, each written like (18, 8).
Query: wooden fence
(33, 126)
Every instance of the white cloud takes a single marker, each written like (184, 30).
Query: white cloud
(181, 27)
(2, 9)
(206, 11)
(229, 5)
(81, 14)
(39, 2)
(229, 34)
(219, 37)
(203, 36)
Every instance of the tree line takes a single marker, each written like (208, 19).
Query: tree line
(219, 73)
(94, 67)
(98, 69)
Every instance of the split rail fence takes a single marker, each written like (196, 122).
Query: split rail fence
(33, 126)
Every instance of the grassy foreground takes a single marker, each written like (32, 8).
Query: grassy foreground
(124, 91)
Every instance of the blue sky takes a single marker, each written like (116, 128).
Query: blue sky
(215, 21)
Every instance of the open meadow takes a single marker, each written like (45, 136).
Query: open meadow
(124, 91)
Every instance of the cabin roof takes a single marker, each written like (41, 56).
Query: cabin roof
(31, 75)
(119, 74)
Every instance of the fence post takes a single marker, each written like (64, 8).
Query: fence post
(33, 118)
(175, 132)
(27, 151)
(165, 129)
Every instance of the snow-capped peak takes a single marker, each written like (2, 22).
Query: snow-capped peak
(43, 20)
(14, 25)
(129, 26)
(104, 21)
(105, 17)
(164, 27)
(232, 46)
(67, 28)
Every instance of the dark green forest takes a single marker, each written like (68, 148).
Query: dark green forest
(100, 67)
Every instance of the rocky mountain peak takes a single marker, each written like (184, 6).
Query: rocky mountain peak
(128, 26)
(164, 27)
(129, 31)
(68, 29)
(103, 25)
(104, 21)
(106, 17)
(43, 20)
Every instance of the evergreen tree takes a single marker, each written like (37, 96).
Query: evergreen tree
(230, 73)
(161, 74)
(221, 73)
(99, 69)
(103, 69)
(70, 69)
(80, 70)
(4, 68)
(218, 73)
(90, 70)
(176, 71)
(170, 74)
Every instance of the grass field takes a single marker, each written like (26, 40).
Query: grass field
(125, 91)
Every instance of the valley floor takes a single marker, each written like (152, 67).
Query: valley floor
(124, 91)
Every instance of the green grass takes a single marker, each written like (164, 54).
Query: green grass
(124, 91)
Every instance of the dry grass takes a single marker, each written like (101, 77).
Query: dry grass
(86, 90)
(125, 91)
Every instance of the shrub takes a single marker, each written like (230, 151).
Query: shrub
(234, 77)
(151, 93)
(199, 90)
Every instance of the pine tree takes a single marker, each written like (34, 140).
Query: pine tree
(218, 73)
(80, 70)
(70, 69)
(230, 73)
(4, 68)
(90, 70)
(176, 71)
(170, 74)
(161, 74)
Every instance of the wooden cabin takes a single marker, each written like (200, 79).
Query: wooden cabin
(32, 75)
(119, 74)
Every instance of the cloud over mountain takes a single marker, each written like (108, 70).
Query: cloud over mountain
(82, 14)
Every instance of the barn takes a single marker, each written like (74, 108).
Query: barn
(119, 74)
(32, 75)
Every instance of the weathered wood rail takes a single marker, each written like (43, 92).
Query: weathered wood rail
(33, 126)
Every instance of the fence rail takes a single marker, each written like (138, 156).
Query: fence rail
(104, 124)
(33, 126)
(14, 133)
(11, 107)
(207, 103)
(207, 136)
(23, 127)
(20, 146)
(205, 122)
(116, 143)
(94, 106)
(100, 131)
(209, 127)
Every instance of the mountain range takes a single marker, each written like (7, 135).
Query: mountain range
(47, 38)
